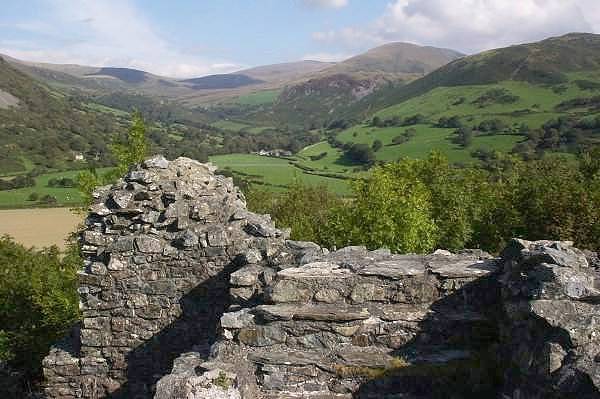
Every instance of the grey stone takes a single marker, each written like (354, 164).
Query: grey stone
(122, 198)
(148, 244)
(236, 320)
(157, 162)
(297, 321)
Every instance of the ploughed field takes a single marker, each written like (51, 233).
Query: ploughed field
(39, 227)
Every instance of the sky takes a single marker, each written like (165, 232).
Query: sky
(188, 38)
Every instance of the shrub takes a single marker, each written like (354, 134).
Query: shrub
(38, 302)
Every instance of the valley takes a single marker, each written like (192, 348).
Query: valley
(392, 102)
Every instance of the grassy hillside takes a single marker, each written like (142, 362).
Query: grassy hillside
(401, 59)
(47, 127)
(542, 63)
(529, 98)
(221, 81)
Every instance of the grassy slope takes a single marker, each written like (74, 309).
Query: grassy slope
(535, 106)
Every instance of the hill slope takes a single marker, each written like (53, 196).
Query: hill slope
(339, 90)
(544, 62)
(222, 81)
(401, 59)
(530, 99)
(286, 72)
(46, 128)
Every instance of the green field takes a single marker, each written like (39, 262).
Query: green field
(274, 173)
(258, 98)
(65, 196)
(333, 162)
(237, 126)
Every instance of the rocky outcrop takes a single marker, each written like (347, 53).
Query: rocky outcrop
(186, 294)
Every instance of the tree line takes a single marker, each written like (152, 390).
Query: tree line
(422, 205)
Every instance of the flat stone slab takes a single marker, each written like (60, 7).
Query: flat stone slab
(325, 312)
(397, 267)
(457, 268)
(364, 358)
(316, 270)
(402, 312)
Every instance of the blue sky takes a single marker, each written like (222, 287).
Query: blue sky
(185, 38)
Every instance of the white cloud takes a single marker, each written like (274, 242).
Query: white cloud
(109, 33)
(326, 3)
(326, 57)
(470, 25)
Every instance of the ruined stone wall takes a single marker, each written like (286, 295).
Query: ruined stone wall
(186, 294)
(159, 246)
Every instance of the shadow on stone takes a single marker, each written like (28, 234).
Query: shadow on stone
(194, 331)
(454, 354)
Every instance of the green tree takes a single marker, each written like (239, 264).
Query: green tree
(376, 146)
(391, 209)
(134, 149)
(304, 209)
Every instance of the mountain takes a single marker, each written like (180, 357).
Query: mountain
(103, 80)
(127, 75)
(44, 127)
(401, 59)
(544, 62)
(340, 89)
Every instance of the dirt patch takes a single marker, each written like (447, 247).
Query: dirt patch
(7, 100)
(39, 227)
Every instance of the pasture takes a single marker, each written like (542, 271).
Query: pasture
(274, 173)
(19, 198)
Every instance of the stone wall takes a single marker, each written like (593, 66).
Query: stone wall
(159, 246)
(185, 294)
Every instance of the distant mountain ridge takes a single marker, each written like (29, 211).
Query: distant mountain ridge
(127, 75)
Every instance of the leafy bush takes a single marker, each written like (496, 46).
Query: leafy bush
(305, 209)
(48, 200)
(495, 96)
(38, 302)
(20, 181)
(318, 156)
(63, 182)
(360, 153)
